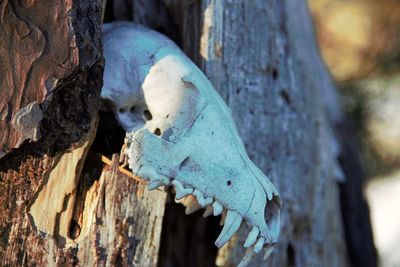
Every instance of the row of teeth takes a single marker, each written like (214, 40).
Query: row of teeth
(185, 195)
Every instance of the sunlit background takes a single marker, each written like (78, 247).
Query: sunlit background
(360, 43)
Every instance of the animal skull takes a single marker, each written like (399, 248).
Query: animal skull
(181, 133)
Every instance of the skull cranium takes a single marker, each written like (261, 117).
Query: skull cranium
(181, 133)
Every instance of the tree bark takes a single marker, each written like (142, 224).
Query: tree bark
(62, 205)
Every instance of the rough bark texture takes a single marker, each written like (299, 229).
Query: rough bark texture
(59, 205)
(50, 70)
(33, 58)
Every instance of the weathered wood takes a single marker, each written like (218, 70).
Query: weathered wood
(50, 80)
(36, 52)
(115, 225)
(132, 218)
(61, 204)
(51, 210)
(83, 219)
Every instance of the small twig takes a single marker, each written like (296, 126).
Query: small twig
(107, 161)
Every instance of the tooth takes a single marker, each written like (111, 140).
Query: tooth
(259, 245)
(184, 193)
(252, 237)
(134, 167)
(268, 250)
(199, 195)
(147, 171)
(182, 201)
(232, 223)
(133, 164)
(154, 185)
(223, 216)
(189, 201)
(203, 201)
(180, 190)
(192, 209)
(157, 183)
(218, 208)
(208, 212)
(246, 258)
(191, 205)
(268, 237)
(207, 201)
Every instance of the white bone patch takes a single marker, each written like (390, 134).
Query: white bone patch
(179, 128)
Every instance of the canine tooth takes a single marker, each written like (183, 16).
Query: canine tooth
(203, 201)
(259, 245)
(252, 237)
(147, 171)
(232, 224)
(267, 252)
(218, 208)
(180, 190)
(208, 212)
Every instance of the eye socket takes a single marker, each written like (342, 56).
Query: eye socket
(147, 115)
(121, 110)
(132, 110)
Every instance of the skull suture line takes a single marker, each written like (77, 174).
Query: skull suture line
(181, 133)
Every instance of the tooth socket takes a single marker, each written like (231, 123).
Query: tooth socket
(203, 201)
(180, 190)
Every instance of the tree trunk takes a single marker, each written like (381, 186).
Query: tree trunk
(63, 205)
(58, 206)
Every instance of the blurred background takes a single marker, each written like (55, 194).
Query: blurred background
(360, 43)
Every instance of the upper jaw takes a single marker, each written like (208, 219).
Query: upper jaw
(239, 191)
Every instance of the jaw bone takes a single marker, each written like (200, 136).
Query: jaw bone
(181, 133)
